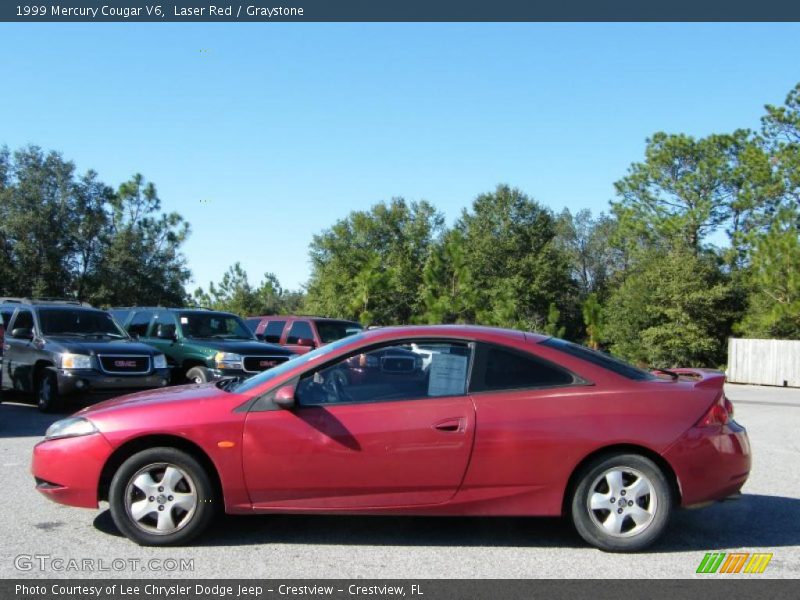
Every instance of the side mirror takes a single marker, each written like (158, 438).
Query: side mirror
(260, 337)
(166, 332)
(305, 343)
(284, 397)
(22, 333)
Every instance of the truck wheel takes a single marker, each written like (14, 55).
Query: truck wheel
(198, 375)
(47, 397)
(161, 496)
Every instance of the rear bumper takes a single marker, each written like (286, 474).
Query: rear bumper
(711, 463)
(90, 381)
(68, 470)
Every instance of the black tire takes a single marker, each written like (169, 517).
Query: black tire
(633, 519)
(198, 375)
(189, 523)
(47, 397)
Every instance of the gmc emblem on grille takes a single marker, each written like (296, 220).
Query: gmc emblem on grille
(125, 363)
(267, 363)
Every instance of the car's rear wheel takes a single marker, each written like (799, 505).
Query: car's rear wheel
(161, 497)
(621, 502)
(198, 375)
(47, 397)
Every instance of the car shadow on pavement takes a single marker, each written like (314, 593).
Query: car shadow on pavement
(752, 521)
(18, 418)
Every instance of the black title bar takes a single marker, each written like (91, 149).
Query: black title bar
(401, 10)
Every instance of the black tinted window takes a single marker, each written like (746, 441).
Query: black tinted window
(252, 324)
(300, 330)
(509, 370)
(330, 331)
(5, 317)
(24, 320)
(620, 367)
(273, 331)
(139, 323)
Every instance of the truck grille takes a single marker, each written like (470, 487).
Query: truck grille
(255, 364)
(124, 364)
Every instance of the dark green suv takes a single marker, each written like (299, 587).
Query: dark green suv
(200, 344)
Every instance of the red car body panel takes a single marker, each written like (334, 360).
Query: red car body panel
(486, 453)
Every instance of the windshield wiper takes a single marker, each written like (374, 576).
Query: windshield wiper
(675, 376)
(106, 333)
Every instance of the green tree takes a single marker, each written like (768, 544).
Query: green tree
(517, 270)
(687, 189)
(370, 264)
(774, 302)
(234, 293)
(593, 320)
(141, 260)
(673, 309)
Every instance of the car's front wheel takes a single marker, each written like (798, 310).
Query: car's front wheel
(198, 375)
(160, 497)
(47, 397)
(621, 503)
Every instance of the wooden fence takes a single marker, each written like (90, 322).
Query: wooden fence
(764, 362)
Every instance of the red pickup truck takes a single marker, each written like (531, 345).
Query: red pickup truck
(300, 333)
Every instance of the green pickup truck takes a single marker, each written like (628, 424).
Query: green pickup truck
(201, 344)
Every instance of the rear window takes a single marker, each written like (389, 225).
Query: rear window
(601, 359)
(330, 331)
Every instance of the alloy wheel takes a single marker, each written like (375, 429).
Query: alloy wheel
(622, 501)
(161, 498)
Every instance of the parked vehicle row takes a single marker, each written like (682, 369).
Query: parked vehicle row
(55, 350)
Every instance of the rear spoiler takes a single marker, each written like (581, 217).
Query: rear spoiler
(703, 378)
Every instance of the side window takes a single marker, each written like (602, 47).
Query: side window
(273, 331)
(300, 330)
(5, 317)
(161, 321)
(24, 320)
(137, 326)
(252, 324)
(390, 373)
(504, 369)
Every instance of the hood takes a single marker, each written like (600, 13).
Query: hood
(100, 346)
(169, 395)
(243, 347)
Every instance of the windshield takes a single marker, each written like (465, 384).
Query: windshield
(214, 325)
(302, 359)
(330, 331)
(64, 321)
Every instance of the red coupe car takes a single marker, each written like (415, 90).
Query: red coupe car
(497, 422)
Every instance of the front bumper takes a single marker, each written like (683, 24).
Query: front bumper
(711, 463)
(85, 381)
(67, 470)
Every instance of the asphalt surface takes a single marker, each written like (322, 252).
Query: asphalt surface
(765, 519)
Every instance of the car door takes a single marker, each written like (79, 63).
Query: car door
(19, 354)
(392, 434)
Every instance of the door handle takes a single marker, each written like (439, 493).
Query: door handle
(450, 425)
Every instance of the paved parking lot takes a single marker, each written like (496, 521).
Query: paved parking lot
(766, 519)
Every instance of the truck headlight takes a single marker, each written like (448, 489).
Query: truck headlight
(228, 360)
(76, 361)
(71, 427)
(159, 361)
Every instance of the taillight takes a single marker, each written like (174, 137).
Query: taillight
(720, 413)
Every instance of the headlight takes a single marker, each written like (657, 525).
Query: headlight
(71, 427)
(228, 360)
(76, 361)
(160, 361)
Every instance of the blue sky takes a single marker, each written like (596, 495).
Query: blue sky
(262, 135)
